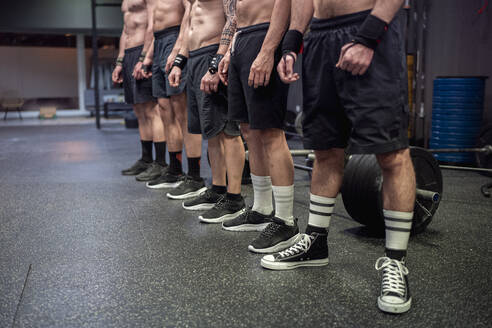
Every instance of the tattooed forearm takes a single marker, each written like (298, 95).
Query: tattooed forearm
(231, 22)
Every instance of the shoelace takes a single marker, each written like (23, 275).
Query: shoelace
(221, 203)
(301, 246)
(394, 273)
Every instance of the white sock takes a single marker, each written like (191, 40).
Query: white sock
(320, 209)
(262, 192)
(398, 226)
(284, 203)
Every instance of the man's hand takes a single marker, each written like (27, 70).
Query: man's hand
(170, 61)
(148, 63)
(224, 68)
(117, 77)
(261, 69)
(285, 68)
(137, 71)
(210, 83)
(355, 58)
(175, 77)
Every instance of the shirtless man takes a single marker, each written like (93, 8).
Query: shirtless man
(207, 112)
(354, 80)
(168, 39)
(134, 42)
(257, 99)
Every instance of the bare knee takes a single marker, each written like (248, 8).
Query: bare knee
(273, 139)
(245, 131)
(331, 158)
(394, 160)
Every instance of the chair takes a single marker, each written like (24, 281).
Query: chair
(11, 101)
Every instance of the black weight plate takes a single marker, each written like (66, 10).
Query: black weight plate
(428, 177)
(290, 124)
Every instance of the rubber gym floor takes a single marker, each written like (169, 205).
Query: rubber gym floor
(83, 246)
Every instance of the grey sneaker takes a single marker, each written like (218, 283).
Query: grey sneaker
(276, 237)
(225, 209)
(188, 188)
(136, 168)
(152, 172)
(395, 293)
(205, 201)
(248, 221)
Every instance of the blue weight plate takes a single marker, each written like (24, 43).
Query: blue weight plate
(451, 117)
(458, 93)
(440, 134)
(465, 100)
(453, 128)
(459, 80)
(455, 158)
(456, 123)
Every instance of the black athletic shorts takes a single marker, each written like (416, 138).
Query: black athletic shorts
(368, 113)
(207, 114)
(136, 91)
(163, 45)
(263, 107)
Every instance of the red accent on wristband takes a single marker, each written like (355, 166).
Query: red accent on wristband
(302, 48)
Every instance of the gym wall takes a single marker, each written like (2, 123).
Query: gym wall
(459, 43)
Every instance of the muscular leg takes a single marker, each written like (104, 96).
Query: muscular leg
(398, 180)
(153, 115)
(234, 161)
(193, 142)
(217, 161)
(280, 164)
(144, 124)
(327, 172)
(172, 129)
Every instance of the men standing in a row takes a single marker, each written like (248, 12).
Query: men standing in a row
(258, 99)
(207, 112)
(171, 18)
(355, 88)
(134, 42)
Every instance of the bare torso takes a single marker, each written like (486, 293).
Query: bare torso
(334, 8)
(135, 19)
(168, 13)
(207, 22)
(251, 12)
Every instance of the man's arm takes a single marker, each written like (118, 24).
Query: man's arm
(148, 39)
(356, 56)
(116, 76)
(261, 69)
(182, 40)
(177, 61)
(301, 13)
(229, 27)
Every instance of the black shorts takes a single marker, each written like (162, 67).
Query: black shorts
(163, 45)
(207, 114)
(263, 107)
(136, 91)
(367, 113)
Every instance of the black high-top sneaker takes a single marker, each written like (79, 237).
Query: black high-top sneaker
(151, 173)
(276, 237)
(225, 209)
(136, 168)
(248, 221)
(310, 250)
(189, 187)
(395, 292)
(205, 201)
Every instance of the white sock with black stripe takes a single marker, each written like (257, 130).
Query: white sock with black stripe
(284, 203)
(398, 225)
(262, 194)
(320, 210)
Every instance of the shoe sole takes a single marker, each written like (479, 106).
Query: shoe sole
(164, 185)
(394, 308)
(199, 207)
(130, 174)
(278, 247)
(222, 218)
(188, 195)
(292, 265)
(247, 227)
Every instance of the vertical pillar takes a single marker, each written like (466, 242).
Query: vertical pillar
(81, 71)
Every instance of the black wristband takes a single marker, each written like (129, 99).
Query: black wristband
(180, 61)
(371, 32)
(213, 66)
(146, 68)
(292, 41)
